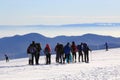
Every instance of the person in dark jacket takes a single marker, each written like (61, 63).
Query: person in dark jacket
(80, 53)
(67, 50)
(47, 51)
(6, 58)
(61, 51)
(86, 50)
(57, 53)
(33, 51)
(74, 50)
(38, 47)
(106, 46)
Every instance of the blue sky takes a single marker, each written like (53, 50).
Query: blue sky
(58, 12)
(23, 12)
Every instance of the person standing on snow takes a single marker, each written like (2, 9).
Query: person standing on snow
(74, 50)
(80, 53)
(6, 58)
(29, 53)
(38, 47)
(32, 51)
(47, 51)
(61, 52)
(106, 46)
(67, 50)
(86, 50)
(57, 53)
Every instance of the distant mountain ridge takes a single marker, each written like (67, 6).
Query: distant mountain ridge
(16, 46)
(94, 24)
(67, 25)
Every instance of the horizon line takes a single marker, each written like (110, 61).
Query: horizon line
(59, 24)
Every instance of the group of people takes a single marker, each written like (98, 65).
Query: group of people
(67, 53)
(33, 52)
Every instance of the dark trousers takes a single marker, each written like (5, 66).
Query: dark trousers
(106, 48)
(7, 60)
(37, 55)
(48, 58)
(86, 57)
(34, 56)
(57, 56)
(74, 56)
(62, 58)
(80, 54)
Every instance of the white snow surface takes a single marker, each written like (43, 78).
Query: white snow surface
(104, 65)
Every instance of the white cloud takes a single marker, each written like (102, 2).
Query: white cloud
(35, 20)
(74, 19)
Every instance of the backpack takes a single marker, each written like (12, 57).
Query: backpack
(79, 47)
(46, 50)
(32, 49)
(38, 47)
(73, 48)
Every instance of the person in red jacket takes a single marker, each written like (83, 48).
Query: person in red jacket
(47, 51)
(74, 50)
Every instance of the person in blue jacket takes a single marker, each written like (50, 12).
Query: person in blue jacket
(67, 50)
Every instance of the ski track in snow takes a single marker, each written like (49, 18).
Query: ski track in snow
(103, 66)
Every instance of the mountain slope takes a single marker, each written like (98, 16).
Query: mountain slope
(16, 46)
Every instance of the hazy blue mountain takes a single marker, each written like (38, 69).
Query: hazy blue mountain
(65, 25)
(93, 24)
(16, 46)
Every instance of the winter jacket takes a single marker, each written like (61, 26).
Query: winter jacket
(67, 49)
(31, 49)
(79, 47)
(47, 49)
(73, 48)
(86, 49)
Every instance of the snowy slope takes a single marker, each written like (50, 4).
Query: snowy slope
(103, 66)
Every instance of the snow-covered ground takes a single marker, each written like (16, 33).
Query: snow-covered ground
(104, 65)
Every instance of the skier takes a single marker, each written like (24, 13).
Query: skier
(47, 51)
